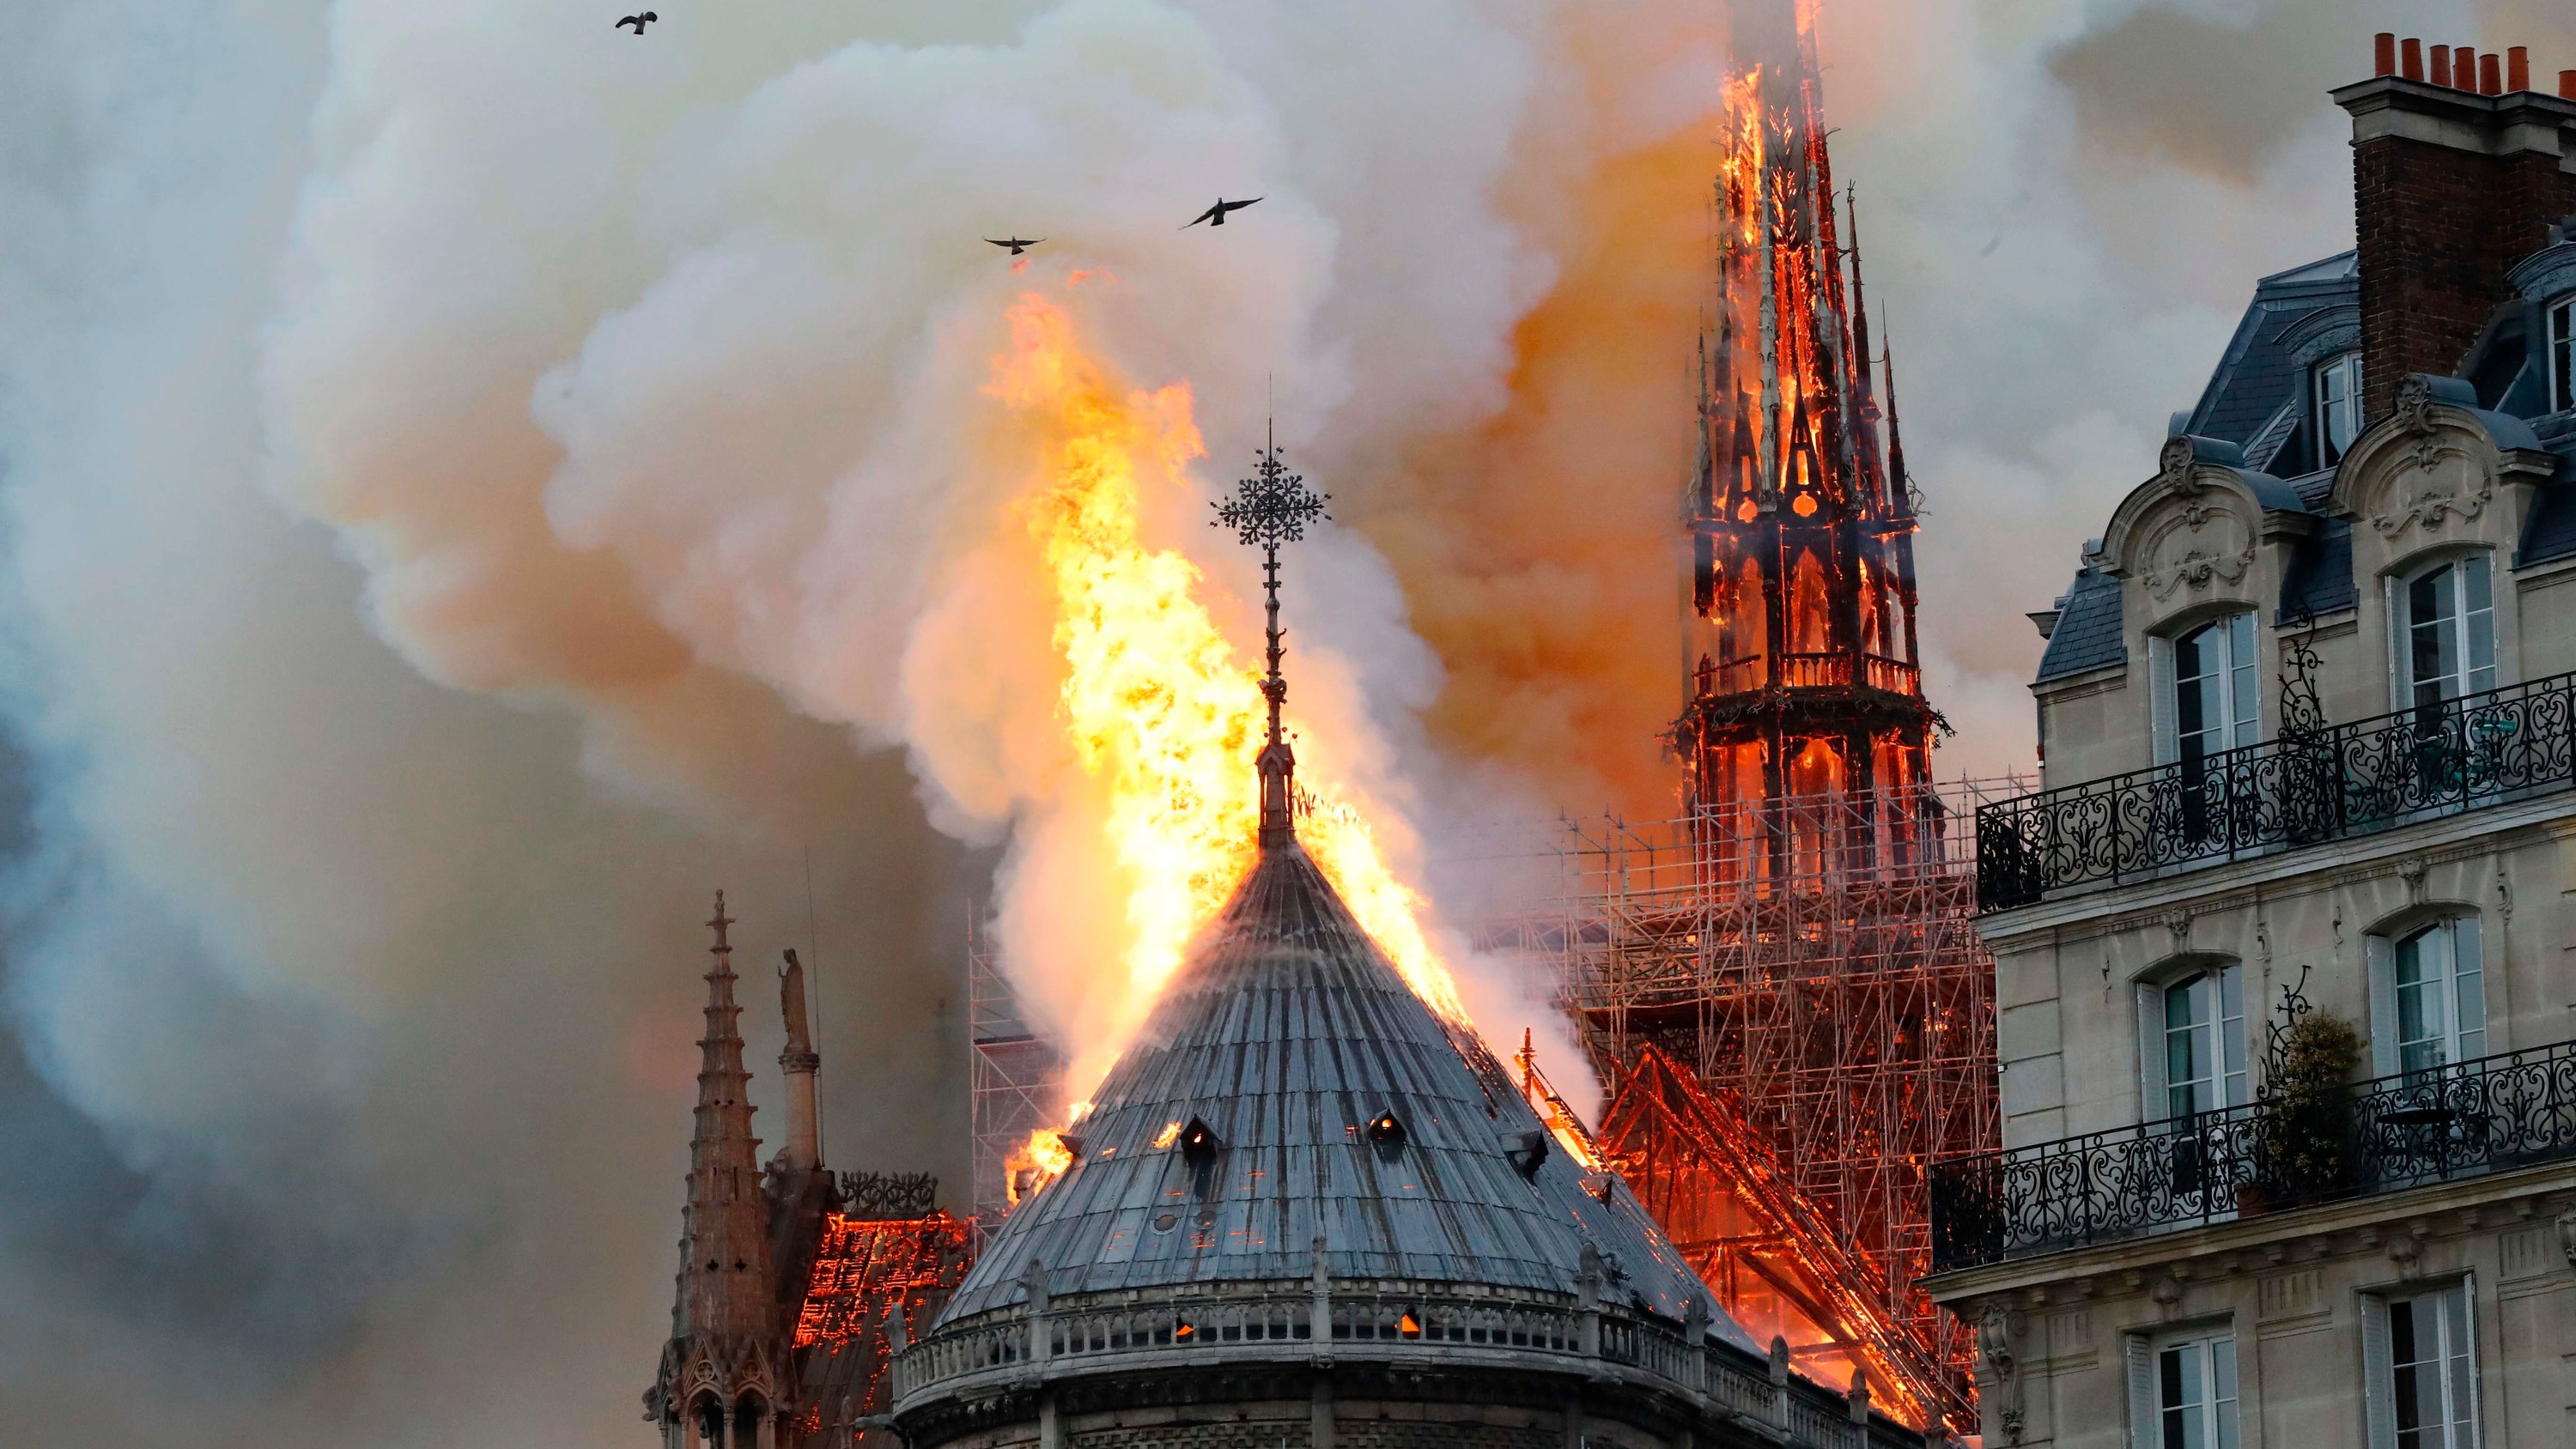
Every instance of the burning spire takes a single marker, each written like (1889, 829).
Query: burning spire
(1805, 681)
(1270, 508)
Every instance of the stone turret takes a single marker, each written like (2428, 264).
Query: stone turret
(726, 1372)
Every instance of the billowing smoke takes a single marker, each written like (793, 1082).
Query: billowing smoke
(476, 480)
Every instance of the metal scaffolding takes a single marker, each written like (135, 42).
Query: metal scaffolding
(1014, 1076)
(1812, 964)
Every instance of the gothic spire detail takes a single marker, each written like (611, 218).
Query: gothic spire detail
(1270, 508)
(727, 1337)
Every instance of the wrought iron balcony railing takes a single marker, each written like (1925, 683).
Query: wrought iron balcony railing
(2336, 780)
(2516, 1109)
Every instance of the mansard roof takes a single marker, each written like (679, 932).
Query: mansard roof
(2252, 416)
(1249, 1115)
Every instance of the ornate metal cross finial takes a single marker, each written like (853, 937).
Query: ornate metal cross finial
(1270, 508)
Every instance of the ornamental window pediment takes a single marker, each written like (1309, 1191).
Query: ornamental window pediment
(2187, 538)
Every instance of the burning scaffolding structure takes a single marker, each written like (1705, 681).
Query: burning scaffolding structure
(1786, 1053)
(1783, 987)
(1014, 1079)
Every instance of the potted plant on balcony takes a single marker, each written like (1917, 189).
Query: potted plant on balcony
(2304, 1112)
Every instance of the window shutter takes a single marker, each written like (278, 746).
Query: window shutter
(2151, 1053)
(2382, 954)
(2468, 988)
(2142, 1392)
(2378, 1406)
(2160, 689)
(2393, 596)
(2232, 1081)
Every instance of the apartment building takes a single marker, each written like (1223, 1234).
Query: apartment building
(2286, 1007)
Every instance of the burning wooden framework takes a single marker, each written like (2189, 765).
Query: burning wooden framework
(875, 1283)
(1792, 1052)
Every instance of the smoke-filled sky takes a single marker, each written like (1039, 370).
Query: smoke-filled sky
(473, 481)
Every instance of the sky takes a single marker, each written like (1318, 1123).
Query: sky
(474, 482)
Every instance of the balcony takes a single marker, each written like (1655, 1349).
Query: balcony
(2516, 1109)
(2324, 784)
(1809, 671)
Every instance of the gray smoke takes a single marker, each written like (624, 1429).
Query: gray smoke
(470, 476)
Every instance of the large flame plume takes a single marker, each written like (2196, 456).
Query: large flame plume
(1162, 712)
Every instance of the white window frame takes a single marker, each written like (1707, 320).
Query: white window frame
(2229, 1082)
(2454, 1319)
(2471, 627)
(2558, 326)
(2343, 368)
(2239, 692)
(2156, 1424)
(2458, 994)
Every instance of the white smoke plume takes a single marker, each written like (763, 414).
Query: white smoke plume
(475, 479)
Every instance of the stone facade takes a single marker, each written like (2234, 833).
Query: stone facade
(2129, 1289)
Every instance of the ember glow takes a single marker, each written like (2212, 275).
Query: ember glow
(1162, 711)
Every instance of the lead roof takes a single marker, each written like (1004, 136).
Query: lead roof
(1287, 1032)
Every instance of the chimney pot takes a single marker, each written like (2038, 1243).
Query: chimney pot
(2490, 75)
(2383, 53)
(2441, 65)
(2464, 67)
(2414, 59)
(2517, 67)
(2567, 84)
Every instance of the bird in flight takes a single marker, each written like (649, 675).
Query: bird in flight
(1215, 215)
(1017, 244)
(638, 21)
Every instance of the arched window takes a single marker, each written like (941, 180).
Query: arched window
(2428, 997)
(2206, 696)
(2191, 1042)
(2444, 616)
(2334, 394)
(2562, 354)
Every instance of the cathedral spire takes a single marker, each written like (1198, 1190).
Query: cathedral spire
(1270, 508)
(727, 1339)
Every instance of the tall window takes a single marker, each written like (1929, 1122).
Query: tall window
(2562, 355)
(2422, 1363)
(2335, 388)
(2209, 699)
(2445, 631)
(2193, 1031)
(2183, 1392)
(2429, 998)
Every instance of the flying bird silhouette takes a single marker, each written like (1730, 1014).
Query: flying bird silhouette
(638, 21)
(1017, 244)
(1215, 215)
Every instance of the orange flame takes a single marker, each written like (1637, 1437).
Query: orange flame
(1163, 713)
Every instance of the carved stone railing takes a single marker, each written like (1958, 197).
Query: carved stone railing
(1418, 1325)
(2515, 1109)
(2338, 780)
(1806, 671)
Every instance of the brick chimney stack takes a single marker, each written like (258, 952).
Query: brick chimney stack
(2455, 178)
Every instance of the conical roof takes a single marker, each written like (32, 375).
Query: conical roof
(1239, 1126)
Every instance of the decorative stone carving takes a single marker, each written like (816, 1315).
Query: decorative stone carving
(2567, 1235)
(2173, 463)
(1996, 1327)
(2411, 870)
(2167, 1293)
(2197, 569)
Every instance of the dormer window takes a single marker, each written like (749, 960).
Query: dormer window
(2334, 388)
(2205, 693)
(2562, 355)
(2445, 644)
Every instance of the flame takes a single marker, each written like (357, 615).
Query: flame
(1163, 713)
(1170, 1134)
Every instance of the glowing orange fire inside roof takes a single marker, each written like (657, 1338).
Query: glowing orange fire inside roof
(1162, 711)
